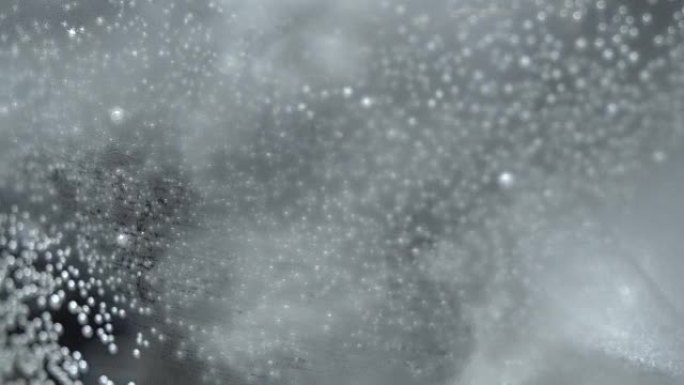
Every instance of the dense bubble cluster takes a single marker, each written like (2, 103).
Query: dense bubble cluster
(42, 281)
(337, 192)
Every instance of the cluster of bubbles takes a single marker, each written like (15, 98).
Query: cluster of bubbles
(85, 269)
(464, 133)
(39, 279)
(33, 274)
(259, 179)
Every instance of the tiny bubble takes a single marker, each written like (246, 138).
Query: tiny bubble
(122, 240)
(116, 115)
(366, 102)
(506, 180)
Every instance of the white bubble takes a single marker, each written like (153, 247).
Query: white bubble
(116, 115)
(122, 240)
(647, 18)
(55, 302)
(87, 331)
(73, 307)
(506, 179)
(581, 43)
(633, 56)
(608, 54)
(525, 61)
(367, 102)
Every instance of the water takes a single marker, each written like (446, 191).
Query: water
(356, 192)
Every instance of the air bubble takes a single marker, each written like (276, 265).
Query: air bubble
(122, 240)
(506, 180)
(366, 102)
(87, 331)
(116, 115)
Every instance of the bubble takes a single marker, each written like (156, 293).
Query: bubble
(506, 179)
(581, 43)
(633, 56)
(577, 15)
(82, 318)
(87, 331)
(525, 61)
(55, 301)
(659, 157)
(122, 240)
(366, 102)
(626, 294)
(116, 115)
(608, 54)
(83, 366)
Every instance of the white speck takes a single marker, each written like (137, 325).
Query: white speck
(136, 353)
(525, 61)
(116, 115)
(506, 180)
(366, 102)
(71, 32)
(122, 240)
(347, 92)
